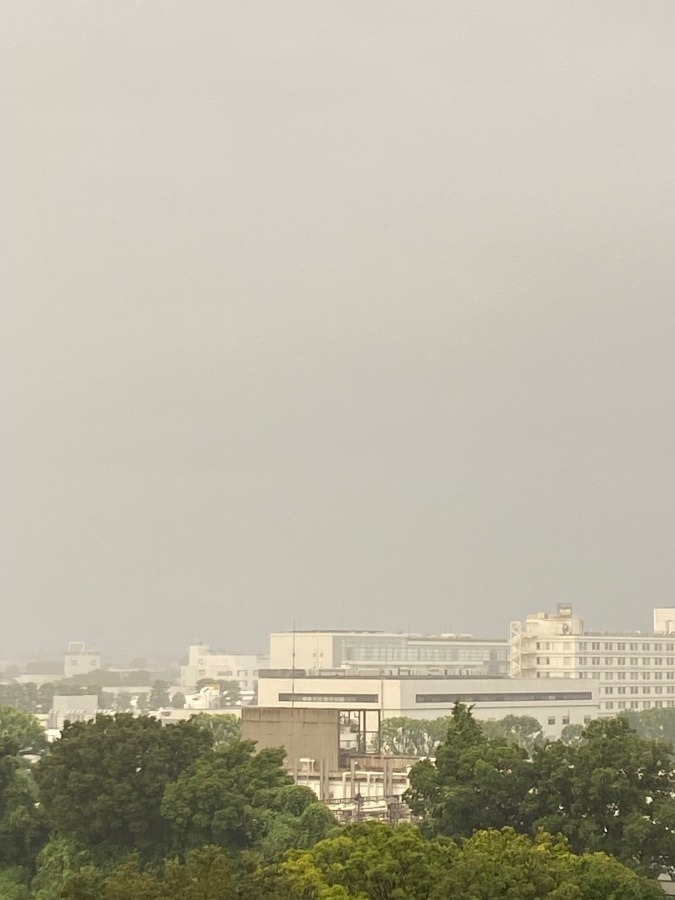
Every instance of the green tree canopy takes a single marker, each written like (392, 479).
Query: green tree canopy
(474, 783)
(223, 798)
(612, 791)
(20, 733)
(208, 873)
(102, 784)
(656, 724)
(405, 736)
(223, 728)
(525, 731)
(159, 695)
(374, 861)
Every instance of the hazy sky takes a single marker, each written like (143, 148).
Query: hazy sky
(361, 314)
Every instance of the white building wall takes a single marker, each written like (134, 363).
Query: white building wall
(204, 663)
(309, 650)
(80, 661)
(554, 704)
(664, 620)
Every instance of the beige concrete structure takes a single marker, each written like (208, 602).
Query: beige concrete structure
(304, 733)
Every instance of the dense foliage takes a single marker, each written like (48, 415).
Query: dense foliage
(610, 790)
(124, 807)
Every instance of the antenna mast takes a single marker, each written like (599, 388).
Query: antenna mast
(293, 669)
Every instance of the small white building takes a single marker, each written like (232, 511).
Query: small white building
(219, 666)
(72, 708)
(80, 661)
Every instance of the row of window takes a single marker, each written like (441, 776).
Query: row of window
(623, 645)
(611, 676)
(372, 651)
(328, 698)
(511, 697)
(566, 720)
(583, 646)
(629, 676)
(627, 660)
(636, 690)
(635, 704)
(608, 661)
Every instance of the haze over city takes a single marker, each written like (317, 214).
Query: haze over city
(348, 315)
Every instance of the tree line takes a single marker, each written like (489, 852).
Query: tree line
(124, 807)
(38, 698)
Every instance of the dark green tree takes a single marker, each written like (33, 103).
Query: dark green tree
(525, 731)
(612, 791)
(20, 733)
(224, 797)
(22, 825)
(206, 874)
(159, 695)
(122, 702)
(405, 736)
(656, 724)
(102, 784)
(474, 783)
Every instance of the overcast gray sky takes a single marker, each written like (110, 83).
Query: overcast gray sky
(355, 313)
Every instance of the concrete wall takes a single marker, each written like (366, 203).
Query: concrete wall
(81, 663)
(304, 733)
(73, 708)
(313, 650)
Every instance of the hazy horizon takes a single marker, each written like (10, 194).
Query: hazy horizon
(358, 316)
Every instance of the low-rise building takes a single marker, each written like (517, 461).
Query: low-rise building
(554, 704)
(72, 708)
(217, 665)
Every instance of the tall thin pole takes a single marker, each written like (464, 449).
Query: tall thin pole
(293, 670)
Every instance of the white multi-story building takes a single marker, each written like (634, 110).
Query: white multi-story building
(80, 661)
(383, 652)
(555, 704)
(214, 664)
(633, 671)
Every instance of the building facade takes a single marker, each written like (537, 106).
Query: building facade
(206, 663)
(80, 661)
(555, 704)
(632, 671)
(389, 652)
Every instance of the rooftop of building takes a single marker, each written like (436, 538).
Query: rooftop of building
(410, 635)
